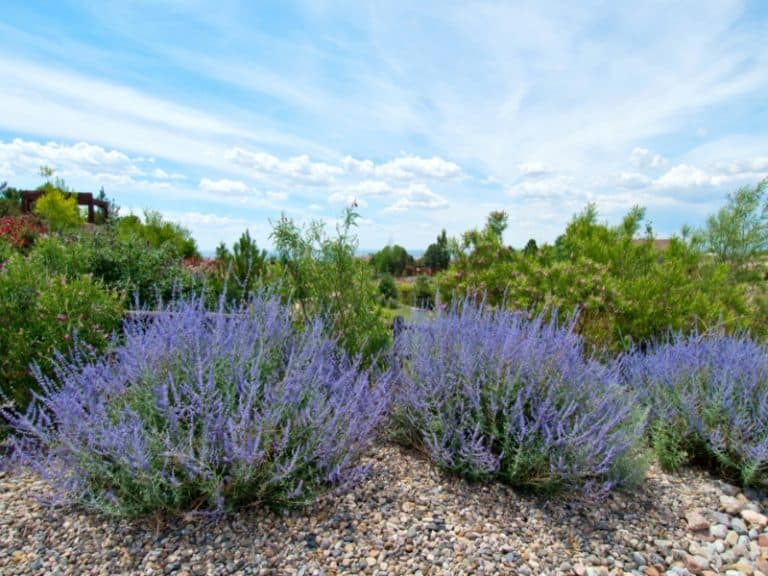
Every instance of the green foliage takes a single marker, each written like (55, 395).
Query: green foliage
(325, 278)
(739, 230)
(438, 254)
(667, 444)
(126, 265)
(391, 260)
(239, 272)
(388, 291)
(10, 201)
(159, 233)
(424, 293)
(41, 312)
(58, 209)
(531, 248)
(625, 290)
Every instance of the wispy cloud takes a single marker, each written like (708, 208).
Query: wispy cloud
(237, 112)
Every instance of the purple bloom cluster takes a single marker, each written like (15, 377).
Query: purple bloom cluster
(708, 400)
(203, 410)
(492, 394)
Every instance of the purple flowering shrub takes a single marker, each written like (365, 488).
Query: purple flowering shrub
(708, 400)
(493, 395)
(200, 410)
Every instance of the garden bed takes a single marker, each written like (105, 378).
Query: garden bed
(405, 518)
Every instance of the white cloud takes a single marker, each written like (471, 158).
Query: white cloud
(417, 196)
(276, 196)
(754, 166)
(352, 165)
(546, 188)
(688, 176)
(347, 199)
(534, 169)
(297, 168)
(644, 159)
(633, 180)
(161, 174)
(404, 168)
(412, 167)
(29, 156)
(194, 219)
(224, 186)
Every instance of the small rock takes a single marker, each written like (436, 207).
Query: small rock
(718, 531)
(731, 505)
(732, 538)
(696, 521)
(755, 518)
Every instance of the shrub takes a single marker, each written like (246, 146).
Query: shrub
(391, 260)
(388, 290)
(41, 313)
(159, 233)
(58, 209)
(201, 410)
(325, 278)
(20, 231)
(126, 264)
(493, 395)
(423, 293)
(708, 399)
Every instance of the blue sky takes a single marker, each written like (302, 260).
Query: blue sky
(428, 114)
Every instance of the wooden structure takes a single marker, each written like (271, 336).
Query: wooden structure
(29, 197)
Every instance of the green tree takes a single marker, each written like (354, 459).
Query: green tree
(391, 260)
(241, 271)
(10, 200)
(739, 230)
(438, 255)
(531, 248)
(496, 224)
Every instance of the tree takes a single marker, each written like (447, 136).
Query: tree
(739, 230)
(438, 256)
(10, 200)
(391, 260)
(241, 271)
(497, 223)
(58, 209)
(531, 248)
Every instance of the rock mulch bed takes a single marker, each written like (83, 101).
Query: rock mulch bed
(407, 518)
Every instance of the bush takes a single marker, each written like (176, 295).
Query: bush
(325, 278)
(388, 290)
(493, 395)
(159, 234)
(20, 231)
(58, 209)
(708, 399)
(41, 313)
(200, 410)
(423, 293)
(126, 264)
(626, 291)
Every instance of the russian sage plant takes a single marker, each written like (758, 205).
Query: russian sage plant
(708, 399)
(205, 411)
(494, 395)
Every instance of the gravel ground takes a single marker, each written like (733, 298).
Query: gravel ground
(407, 518)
